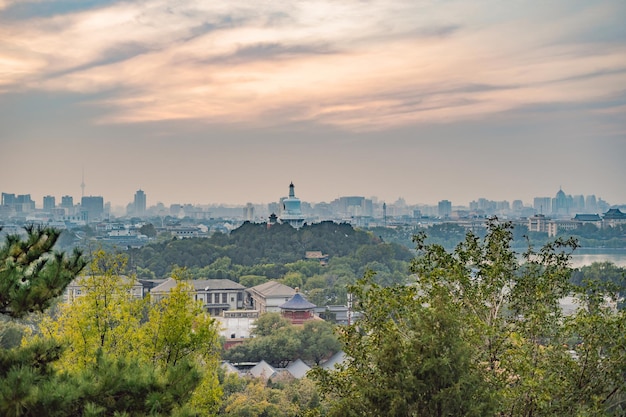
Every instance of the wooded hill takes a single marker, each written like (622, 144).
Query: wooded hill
(256, 249)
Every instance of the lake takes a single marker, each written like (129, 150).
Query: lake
(587, 256)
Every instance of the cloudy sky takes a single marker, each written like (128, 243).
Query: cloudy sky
(229, 101)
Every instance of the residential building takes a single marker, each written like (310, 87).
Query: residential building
(49, 203)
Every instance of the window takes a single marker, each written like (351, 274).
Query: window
(224, 297)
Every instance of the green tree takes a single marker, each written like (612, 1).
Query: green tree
(268, 323)
(178, 330)
(148, 229)
(481, 333)
(257, 400)
(406, 357)
(104, 317)
(164, 354)
(32, 274)
(318, 341)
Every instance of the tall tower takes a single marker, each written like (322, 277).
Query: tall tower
(385, 214)
(291, 210)
(82, 185)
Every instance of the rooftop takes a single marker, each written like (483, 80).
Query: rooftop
(273, 289)
(297, 302)
(201, 285)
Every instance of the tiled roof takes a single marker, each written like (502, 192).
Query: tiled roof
(262, 370)
(337, 358)
(614, 214)
(297, 302)
(298, 369)
(588, 217)
(273, 289)
(201, 285)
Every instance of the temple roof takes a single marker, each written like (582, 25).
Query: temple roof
(588, 217)
(614, 214)
(297, 302)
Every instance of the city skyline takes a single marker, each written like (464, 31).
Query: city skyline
(147, 203)
(227, 103)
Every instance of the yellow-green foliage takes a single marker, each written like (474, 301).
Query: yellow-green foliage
(106, 319)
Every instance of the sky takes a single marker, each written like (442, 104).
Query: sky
(208, 102)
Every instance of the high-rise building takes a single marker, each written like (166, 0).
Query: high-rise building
(94, 206)
(578, 204)
(140, 203)
(8, 199)
(24, 204)
(248, 212)
(591, 205)
(561, 204)
(49, 202)
(444, 209)
(542, 205)
(67, 201)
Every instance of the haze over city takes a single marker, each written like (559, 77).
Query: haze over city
(213, 102)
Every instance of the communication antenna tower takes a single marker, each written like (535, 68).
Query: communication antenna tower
(82, 184)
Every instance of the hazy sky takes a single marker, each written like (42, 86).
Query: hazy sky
(229, 101)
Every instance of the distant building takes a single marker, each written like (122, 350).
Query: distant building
(556, 226)
(561, 204)
(589, 218)
(591, 204)
(139, 205)
(248, 212)
(77, 288)
(8, 199)
(67, 203)
(18, 204)
(317, 255)
(444, 209)
(49, 203)
(613, 217)
(94, 206)
(538, 223)
(542, 205)
(216, 295)
(352, 206)
(267, 297)
(291, 212)
(298, 310)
